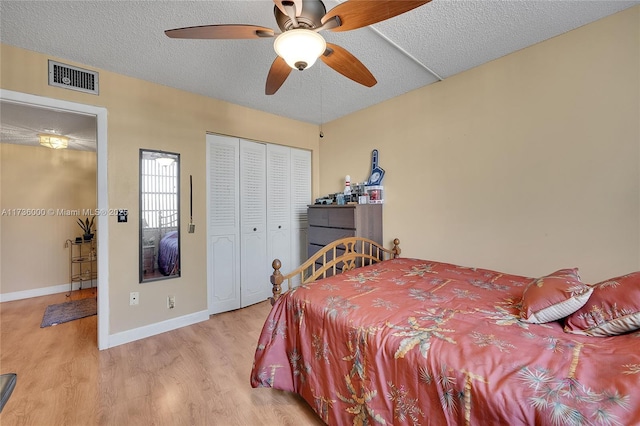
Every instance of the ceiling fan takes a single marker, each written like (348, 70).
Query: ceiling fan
(299, 44)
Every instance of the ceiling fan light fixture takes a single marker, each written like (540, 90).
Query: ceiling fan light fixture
(53, 141)
(300, 47)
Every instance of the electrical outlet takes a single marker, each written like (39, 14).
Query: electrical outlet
(134, 298)
(171, 302)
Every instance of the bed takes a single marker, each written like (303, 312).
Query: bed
(169, 244)
(168, 253)
(368, 337)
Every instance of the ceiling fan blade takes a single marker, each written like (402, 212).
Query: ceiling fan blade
(297, 3)
(360, 13)
(348, 65)
(230, 31)
(277, 75)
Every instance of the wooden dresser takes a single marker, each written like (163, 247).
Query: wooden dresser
(330, 222)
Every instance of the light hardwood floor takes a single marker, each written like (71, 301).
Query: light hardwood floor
(197, 375)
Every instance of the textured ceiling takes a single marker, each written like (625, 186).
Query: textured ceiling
(444, 36)
(21, 124)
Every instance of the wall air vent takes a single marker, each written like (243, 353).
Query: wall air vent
(74, 78)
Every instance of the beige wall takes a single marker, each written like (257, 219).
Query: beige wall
(146, 115)
(526, 164)
(33, 247)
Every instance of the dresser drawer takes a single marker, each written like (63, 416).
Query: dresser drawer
(323, 236)
(333, 217)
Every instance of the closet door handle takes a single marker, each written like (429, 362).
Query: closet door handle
(279, 226)
(255, 229)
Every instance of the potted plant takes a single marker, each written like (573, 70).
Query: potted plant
(87, 227)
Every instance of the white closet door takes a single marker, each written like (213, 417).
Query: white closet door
(254, 267)
(300, 198)
(279, 205)
(223, 223)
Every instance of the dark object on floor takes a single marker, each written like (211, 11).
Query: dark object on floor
(7, 383)
(69, 311)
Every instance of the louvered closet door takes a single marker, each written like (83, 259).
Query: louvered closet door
(279, 205)
(254, 263)
(223, 223)
(300, 198)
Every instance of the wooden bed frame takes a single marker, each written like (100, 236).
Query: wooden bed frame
(337, 257)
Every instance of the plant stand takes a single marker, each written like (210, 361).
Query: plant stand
(82, 263)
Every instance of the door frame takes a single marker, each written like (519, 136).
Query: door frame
(102, 193)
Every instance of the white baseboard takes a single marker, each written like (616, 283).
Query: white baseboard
(37, 292)
(118, 338)
(157, 328)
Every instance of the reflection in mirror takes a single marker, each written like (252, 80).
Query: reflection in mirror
(159, 215)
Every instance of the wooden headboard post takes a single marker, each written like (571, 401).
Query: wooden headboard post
(337, 257)
(276, 280)
(396, 248)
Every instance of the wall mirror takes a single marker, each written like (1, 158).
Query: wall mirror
(159, 215)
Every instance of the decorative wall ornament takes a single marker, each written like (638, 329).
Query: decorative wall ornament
(377, 173)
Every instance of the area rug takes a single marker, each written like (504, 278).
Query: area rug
(69, 311)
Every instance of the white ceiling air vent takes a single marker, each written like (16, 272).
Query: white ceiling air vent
(74, 78)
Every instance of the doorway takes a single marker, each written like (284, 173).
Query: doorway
(100, 115)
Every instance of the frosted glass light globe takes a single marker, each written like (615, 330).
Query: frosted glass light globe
(300, 47)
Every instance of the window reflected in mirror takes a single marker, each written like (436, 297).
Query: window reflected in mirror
(159, 215)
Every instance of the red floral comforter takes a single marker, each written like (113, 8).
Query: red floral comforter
(413, 342)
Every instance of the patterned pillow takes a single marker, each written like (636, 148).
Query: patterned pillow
(612, 309)
(554, 296)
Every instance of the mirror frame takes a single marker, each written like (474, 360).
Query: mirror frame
(142, 247)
